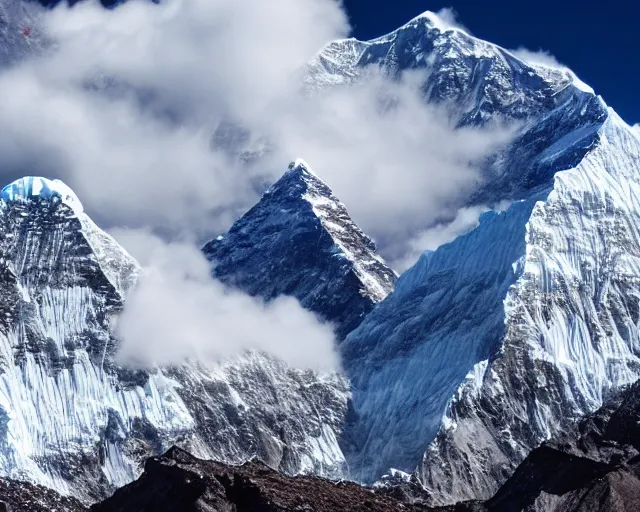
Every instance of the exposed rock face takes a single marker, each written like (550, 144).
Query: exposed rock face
(18, 496)
(300, 241)
(178, 481)
(595, 465)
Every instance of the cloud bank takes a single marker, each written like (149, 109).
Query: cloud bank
(124, 104)
(177, 312)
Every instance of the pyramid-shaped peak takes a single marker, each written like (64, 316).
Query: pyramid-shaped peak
(299, 240)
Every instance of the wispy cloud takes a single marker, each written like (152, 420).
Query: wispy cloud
(450, 18)
(465, 220)
(178, 312)
(540, 57)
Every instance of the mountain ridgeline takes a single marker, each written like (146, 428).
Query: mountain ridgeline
(466, 375)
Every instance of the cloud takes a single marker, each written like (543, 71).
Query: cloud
(123, 107)
(178, 312)
(541, 57)
(124, 104)
(397, 163)
(449, 17)
(465, 220)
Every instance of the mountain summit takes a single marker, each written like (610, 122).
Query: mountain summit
(299, 240)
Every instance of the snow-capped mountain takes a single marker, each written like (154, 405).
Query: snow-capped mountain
(300, 241)
(74, 420)
(497, 341)
(484, 349)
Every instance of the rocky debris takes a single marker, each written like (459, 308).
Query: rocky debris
(593, 466)
(179, 481)
(18, 496)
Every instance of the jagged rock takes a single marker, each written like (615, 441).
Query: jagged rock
(179, 481)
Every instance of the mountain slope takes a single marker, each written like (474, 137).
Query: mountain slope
(76, 421)
(594, 465)
(571, 324)
(498, 340)
(299, 240)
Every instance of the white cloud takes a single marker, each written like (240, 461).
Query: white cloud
(138, 149)
(449, 17)
(123, 108)
(465, 220)
(178, 312)
(540, 57)
(397, 168)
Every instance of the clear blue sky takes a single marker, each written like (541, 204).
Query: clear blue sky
(599, 40)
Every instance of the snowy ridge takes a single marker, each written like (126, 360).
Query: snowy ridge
(24, 189)
(572, 322)
(335, 220)
(58, 392)
(411, 353)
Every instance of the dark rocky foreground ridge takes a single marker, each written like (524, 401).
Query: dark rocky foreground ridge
(595, 466)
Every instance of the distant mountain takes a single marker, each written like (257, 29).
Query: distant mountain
(300, 241)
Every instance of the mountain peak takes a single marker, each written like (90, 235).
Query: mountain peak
(299, 240)
(28, 187)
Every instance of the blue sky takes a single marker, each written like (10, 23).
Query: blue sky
(598, 40)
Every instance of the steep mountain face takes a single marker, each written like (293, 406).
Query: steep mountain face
(299, 240)
(63, 280)
(570, 324)
(497, 341)
(74, 420)
(594, 465)
(477, 84)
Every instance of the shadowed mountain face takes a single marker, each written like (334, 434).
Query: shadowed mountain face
(178, 481)
(300, 241)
